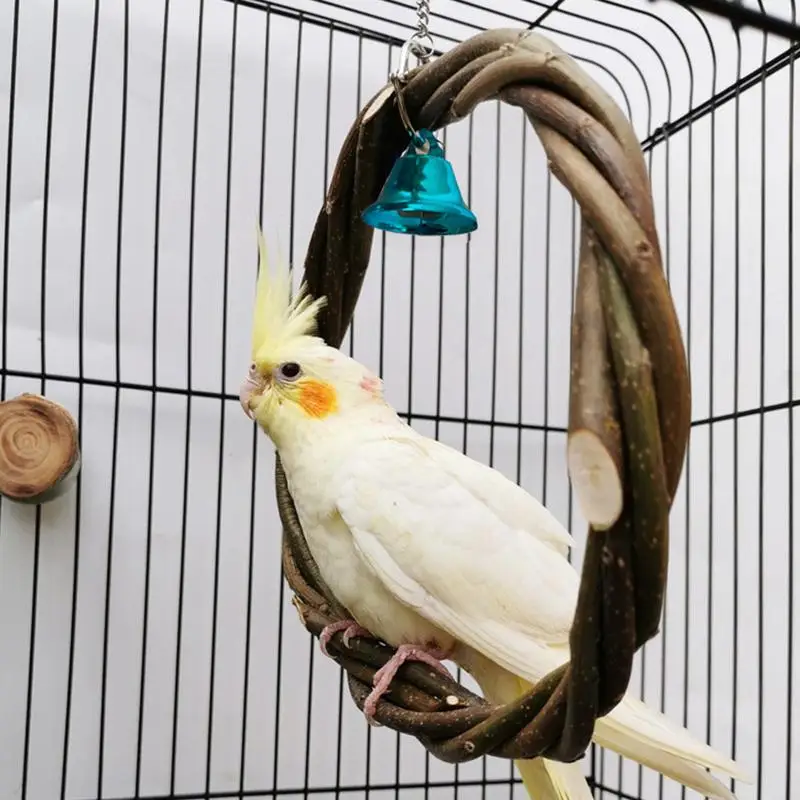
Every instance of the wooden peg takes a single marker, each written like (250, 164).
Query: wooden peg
(39, 450)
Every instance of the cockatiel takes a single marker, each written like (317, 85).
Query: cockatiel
(436, 554)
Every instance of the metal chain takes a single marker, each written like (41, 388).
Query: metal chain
(423, 18)
(420, 43)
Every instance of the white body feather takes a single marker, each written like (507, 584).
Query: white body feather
(424, 545)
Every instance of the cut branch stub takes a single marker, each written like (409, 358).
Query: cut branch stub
(39, 451)
(629, 393)
(594, 444)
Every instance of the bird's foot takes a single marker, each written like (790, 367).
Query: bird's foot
(431, 656)
(350, 629)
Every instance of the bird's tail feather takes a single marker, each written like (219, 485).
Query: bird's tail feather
(543, 779)
(552, 780)
(640, 733)
(633, 730)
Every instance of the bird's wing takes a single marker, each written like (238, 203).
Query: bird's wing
(440, 550)
(510, 502)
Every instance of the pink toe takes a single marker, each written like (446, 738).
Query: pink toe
(373, 698)
(371, 707)
(432, 661)
(329, 630)
(324, 638)
(383, 682)
(354, 630)
(385, 675)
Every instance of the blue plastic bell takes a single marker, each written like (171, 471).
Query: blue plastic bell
(421, 195)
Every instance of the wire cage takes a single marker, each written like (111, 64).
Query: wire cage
(148, 648)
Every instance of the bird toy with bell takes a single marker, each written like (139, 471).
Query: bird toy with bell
(421, 194)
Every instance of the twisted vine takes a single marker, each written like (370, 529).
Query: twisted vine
(629, 393)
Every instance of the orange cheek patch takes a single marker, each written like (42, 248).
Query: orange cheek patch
(317, 399)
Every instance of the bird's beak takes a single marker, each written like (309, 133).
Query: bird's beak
(246, 390)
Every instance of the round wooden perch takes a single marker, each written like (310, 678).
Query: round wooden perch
(39, 450)
(629, 400)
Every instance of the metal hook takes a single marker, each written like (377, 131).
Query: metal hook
(421, 145)
(420, 46)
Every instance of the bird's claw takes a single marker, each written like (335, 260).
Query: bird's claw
(385, 675)
(350, 629)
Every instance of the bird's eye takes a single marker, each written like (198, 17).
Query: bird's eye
(289, 370)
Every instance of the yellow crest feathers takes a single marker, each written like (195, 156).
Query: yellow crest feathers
(277, 317)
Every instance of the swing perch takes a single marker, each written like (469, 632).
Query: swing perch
(629, 412)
